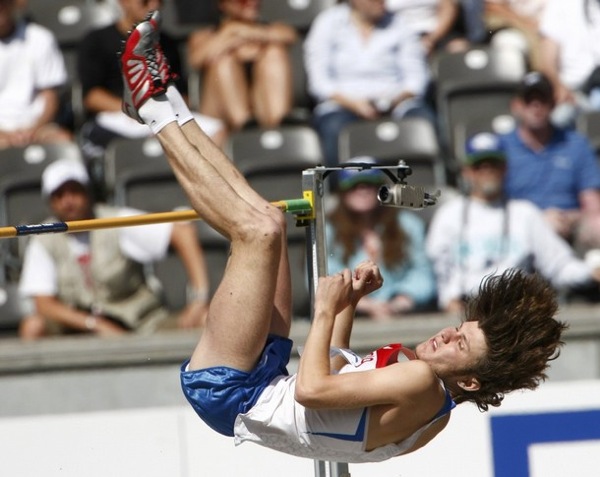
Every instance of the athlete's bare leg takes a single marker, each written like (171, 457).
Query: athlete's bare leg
(282, 309)
(239, 317)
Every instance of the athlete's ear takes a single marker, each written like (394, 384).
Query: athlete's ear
(469, 384)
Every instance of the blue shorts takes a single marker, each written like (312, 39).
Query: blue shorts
(220, 393)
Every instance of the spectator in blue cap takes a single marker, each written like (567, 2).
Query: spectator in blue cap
(483, 233)
(359, 228)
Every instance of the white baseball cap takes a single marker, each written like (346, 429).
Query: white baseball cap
(62, 171)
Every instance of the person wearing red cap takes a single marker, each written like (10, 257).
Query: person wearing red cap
(94, 282)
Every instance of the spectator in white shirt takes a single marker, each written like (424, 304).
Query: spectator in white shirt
(571, 55)
(363, 62)
(484, 234)
(33, 71)
(94, 282)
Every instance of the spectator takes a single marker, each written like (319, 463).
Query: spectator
(33, 71)
(246, 66)
(439, 23)
(483, 233)
(571, 54)
(514, 24)
(363, 62)
(553, 167)
(94, 281)
(102, 85)
(360, 229)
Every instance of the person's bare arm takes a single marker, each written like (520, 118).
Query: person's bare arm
(550, 53)
(51, 105)
(590, 201)
(316, 387)
(511, 17)
(361, 107)
(207, 44)
(447, 14)
(366, 279)
(53, 309)
(279, 33)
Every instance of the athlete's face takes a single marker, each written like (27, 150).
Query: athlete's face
(454, 350)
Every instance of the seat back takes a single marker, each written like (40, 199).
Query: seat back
(137, 174)
(11, 308)
(69, 20)
(413, 140)
(273, 159)
(478, 82)
(20, 191)
(588, 124)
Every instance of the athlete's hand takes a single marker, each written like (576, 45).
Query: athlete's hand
(365, 279)
(334, 292)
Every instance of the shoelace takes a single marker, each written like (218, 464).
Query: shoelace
(153, 66)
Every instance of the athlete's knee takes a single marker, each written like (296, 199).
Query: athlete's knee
(262, 230)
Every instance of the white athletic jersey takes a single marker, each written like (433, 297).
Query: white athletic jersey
(279, 422)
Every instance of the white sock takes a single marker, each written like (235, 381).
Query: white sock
(157, 113)
(180, 108)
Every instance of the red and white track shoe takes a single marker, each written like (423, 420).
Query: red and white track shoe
(164, 69)
(141, 70)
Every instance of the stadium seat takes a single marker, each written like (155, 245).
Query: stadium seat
(413, 140)
(20, 192)
(588, 123)
(479, 82)
(137, 174)
(473, 124)
(11, 308)
(69, 20)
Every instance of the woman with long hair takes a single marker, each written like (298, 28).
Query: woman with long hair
(359, 229)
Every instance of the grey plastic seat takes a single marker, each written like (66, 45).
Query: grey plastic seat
(413, 140)
(20, 191)
(479, 82)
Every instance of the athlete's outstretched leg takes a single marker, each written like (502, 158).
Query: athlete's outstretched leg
(239, 318)
(282, 307)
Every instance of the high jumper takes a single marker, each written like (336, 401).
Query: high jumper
(338, 406)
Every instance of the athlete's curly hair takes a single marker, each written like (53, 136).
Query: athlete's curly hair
(515, 311)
